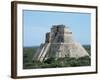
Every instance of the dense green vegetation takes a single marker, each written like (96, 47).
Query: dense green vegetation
(28, 53)
(51, 62)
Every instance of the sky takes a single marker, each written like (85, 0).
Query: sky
(37, 23)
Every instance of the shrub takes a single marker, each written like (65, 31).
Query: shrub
(49, 60)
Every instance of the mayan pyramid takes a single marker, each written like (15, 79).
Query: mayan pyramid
(59, 43)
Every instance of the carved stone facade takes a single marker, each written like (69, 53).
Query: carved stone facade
(59, 43)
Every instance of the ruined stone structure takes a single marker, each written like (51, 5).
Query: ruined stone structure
(59, 43)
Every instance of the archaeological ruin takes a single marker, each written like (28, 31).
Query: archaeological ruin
(59, 43)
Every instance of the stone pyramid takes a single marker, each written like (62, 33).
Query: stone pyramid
(59, 43)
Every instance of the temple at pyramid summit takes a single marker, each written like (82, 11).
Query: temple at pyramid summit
(59, 43)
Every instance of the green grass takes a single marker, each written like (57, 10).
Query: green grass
(51, 62)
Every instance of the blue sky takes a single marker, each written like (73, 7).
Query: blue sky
(37, 23)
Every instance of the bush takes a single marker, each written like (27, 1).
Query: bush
(84, 61)
(49, 60)
(60, 62)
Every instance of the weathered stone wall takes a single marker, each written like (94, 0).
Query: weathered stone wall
(59, 43)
